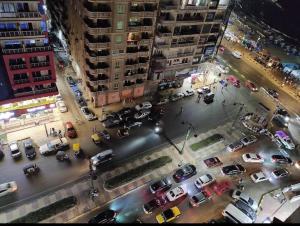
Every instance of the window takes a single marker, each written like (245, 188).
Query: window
(117, 64)
(120, 25)
(116, 86)
(119, 39)
(120, 9)
(117, 76)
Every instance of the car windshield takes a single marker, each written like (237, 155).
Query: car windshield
(195, 198)
(15, 151)
(168, 214)
(255, 176)
(246, 140)
(158, 184)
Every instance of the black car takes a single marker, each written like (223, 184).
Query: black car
(123, 132)
(107, 216)
(105, 134)
(29, 149)
(131, 123)
(280, 159)
(111, 121)
(184, 172)
(71, 81)
(161, 185)
(273, 93)
(233, 169)
(80, 101)
(124, 112)
(154, 204)
(1, 154)
(283, 112)
(281, 121)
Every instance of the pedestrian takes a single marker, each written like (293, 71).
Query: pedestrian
(181, 110)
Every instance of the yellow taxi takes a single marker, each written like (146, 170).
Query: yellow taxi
(96, 138)
(168, 215)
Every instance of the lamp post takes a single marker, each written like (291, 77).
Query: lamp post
(237, 116)
(94, 191)
(191, 127)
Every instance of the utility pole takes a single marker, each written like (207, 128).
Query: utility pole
(191, 127)
(94, 191)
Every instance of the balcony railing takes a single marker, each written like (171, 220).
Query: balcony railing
(182, 44)
(187, 32)
(20, 15)
(42, 78)
(46, 90)
(102, 26)
(25, 93)
(168, 6)
(97, 7)
(21, 81)
(18, 66)
(40, 64)
(26, 49)
(8, 34)
(190, 19)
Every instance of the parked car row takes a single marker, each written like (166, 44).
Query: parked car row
(15, 149)
(245, 141)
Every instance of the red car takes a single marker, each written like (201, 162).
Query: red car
(233, 81)
(220, 187)
(250, 85)
(70, 130)
(212, 162)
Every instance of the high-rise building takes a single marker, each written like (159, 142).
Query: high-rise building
(27, 62)
(120, 48)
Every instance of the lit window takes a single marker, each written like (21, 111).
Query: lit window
(120, 25)
(119, 39)
(120, 9)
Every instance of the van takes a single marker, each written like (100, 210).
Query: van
(102, 157)
(236, 215)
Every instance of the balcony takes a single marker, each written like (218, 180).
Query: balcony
(131, 62)
(35, 64)
(96, 28)
(166, 18)
(159, 57)
(189, 19)
(97, 79)
(45, 90)
(183, 44)
(26, 91)
(16, 49)
(18, 66)
(40, 77)
(194, 7)
(97, 89)
(102, 41)
(97, 10)
(128, 83)
(185, 31)
(168, 5)
(5, 34)
(21, 81)
(164, 31)
(97, 55)
(21, 15)
(162, 45)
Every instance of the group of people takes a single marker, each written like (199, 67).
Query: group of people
(55, 133)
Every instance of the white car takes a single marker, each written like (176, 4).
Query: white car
(61, 106)
(204, 180)
(88, 114)
(8, 188)
(177, 96)
(189, 93)
(176, 193)
(14, 150)
(279, 173)
(223, 69)
(238, 194)
(234, 146)
(144, 105)
(203, 90)
(286, 142)
(163, 101)
(237, 54)
(258, 177)
(248, 140)
(54, 145)
(142, 114)
(252, 157)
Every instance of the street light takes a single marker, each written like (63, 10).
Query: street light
(191, 127)
(94, 191)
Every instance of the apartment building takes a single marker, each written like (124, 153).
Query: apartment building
(187, 34)
(27, 61)
(119, 47)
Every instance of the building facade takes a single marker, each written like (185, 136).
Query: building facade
(121, 47)
(27, 60)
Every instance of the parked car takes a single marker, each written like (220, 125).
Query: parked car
(154, 204)
(88, 114)
(105, 217)
(8, 188)
(222, 69)
(168, 215)
(279, 173)
(252, 157)
(163, 101)
(204, 180)
(281, 121)
(142, 114)
(54, 145)
(234, 146)
(280, 159)
(237, 54)
(124, 112)
(238, 194)
(237, 215)
(112, 121)
(251, 213)
(177, 96)
(176, 193)
(189, 93)
(248, 140)
(199, 198)
(123, 132)
(250, 85)
(71, 81)
(144, 105)
(131, 123)
(161, 185)
(70, 130)
(105, 134)
(233, 81)
(233, 170)
(29, 149)
(273, 93)
(80, 101)
(61, 106)
(209, 98)
(15, 150)
(184, 172)
(203, 90)
(258, 177)
(212, 162)
(284, 140)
